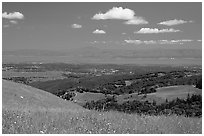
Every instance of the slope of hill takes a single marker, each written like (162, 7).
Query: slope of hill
(21, 97)
(171, 93)
(31, 111)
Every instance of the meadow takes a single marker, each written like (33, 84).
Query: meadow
(94, 122)
(29, 110)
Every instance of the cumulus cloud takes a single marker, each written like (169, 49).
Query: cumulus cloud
(168, 42)
(13, 22)
(14, 15)
(150, 42)
(5, 26)
(186, 40)
(136, 21)
(182, 41)
(121, 13)
(155, 30)
(174, 22)
(140, 42)
(134, 41)
(97, 31)
(76, 26)
(115, 13)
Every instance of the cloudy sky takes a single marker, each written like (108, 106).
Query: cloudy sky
(65, 26)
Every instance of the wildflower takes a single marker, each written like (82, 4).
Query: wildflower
(42, 132)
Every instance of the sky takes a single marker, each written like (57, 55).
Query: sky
(67, 26)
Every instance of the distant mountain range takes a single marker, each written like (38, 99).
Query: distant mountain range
(95, 54)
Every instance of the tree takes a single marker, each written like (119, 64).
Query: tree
(154, 103)
(199, 84)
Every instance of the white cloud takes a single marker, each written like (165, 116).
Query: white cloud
(120, 13)
(14, 15)
(199, 40)
(76, 26)
(155, 30)
(5, 26)
(134, 41)
(182, 41)
(136, 21)
(13, 22)
(174, 41)
(97, 31)
(174, 22)
(150, 42)
(186, 40)
(116, 13)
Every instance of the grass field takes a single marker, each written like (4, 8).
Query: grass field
(163, 93)
(88, 97)
(172, 92)
(96, 122)
(30, 110)
(35, 76)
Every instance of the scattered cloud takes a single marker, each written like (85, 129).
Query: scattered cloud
(145, 42)
(121, 13)
(174, 22)
(124, 33)
(13, 22)
(97, 31)
(170, 42)
(150, 42)
(76, 26)
(6, 26)
(182, 41)
(134, 41)
(136, 21)
(14, 15)
(106, 42)
(115, 13)
(155, 30)
(94, 42)
(199, 40)
(186, 40)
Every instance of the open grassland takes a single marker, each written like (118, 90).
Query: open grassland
(96, 122)
(29, 110)
(35, 76)
(88, 97)
(172, 92)
(23, 97)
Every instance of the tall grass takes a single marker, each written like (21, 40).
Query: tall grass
(95, 122)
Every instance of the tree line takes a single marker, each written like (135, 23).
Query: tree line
(190, 107)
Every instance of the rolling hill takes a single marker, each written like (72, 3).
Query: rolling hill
(32, 111)
(20, 97)
(172, 92)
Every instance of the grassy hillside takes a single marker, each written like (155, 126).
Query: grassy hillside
(97, 123)
(53, 86)
(21, 97)
(82, 98)
(172, 92)
(29, 110)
